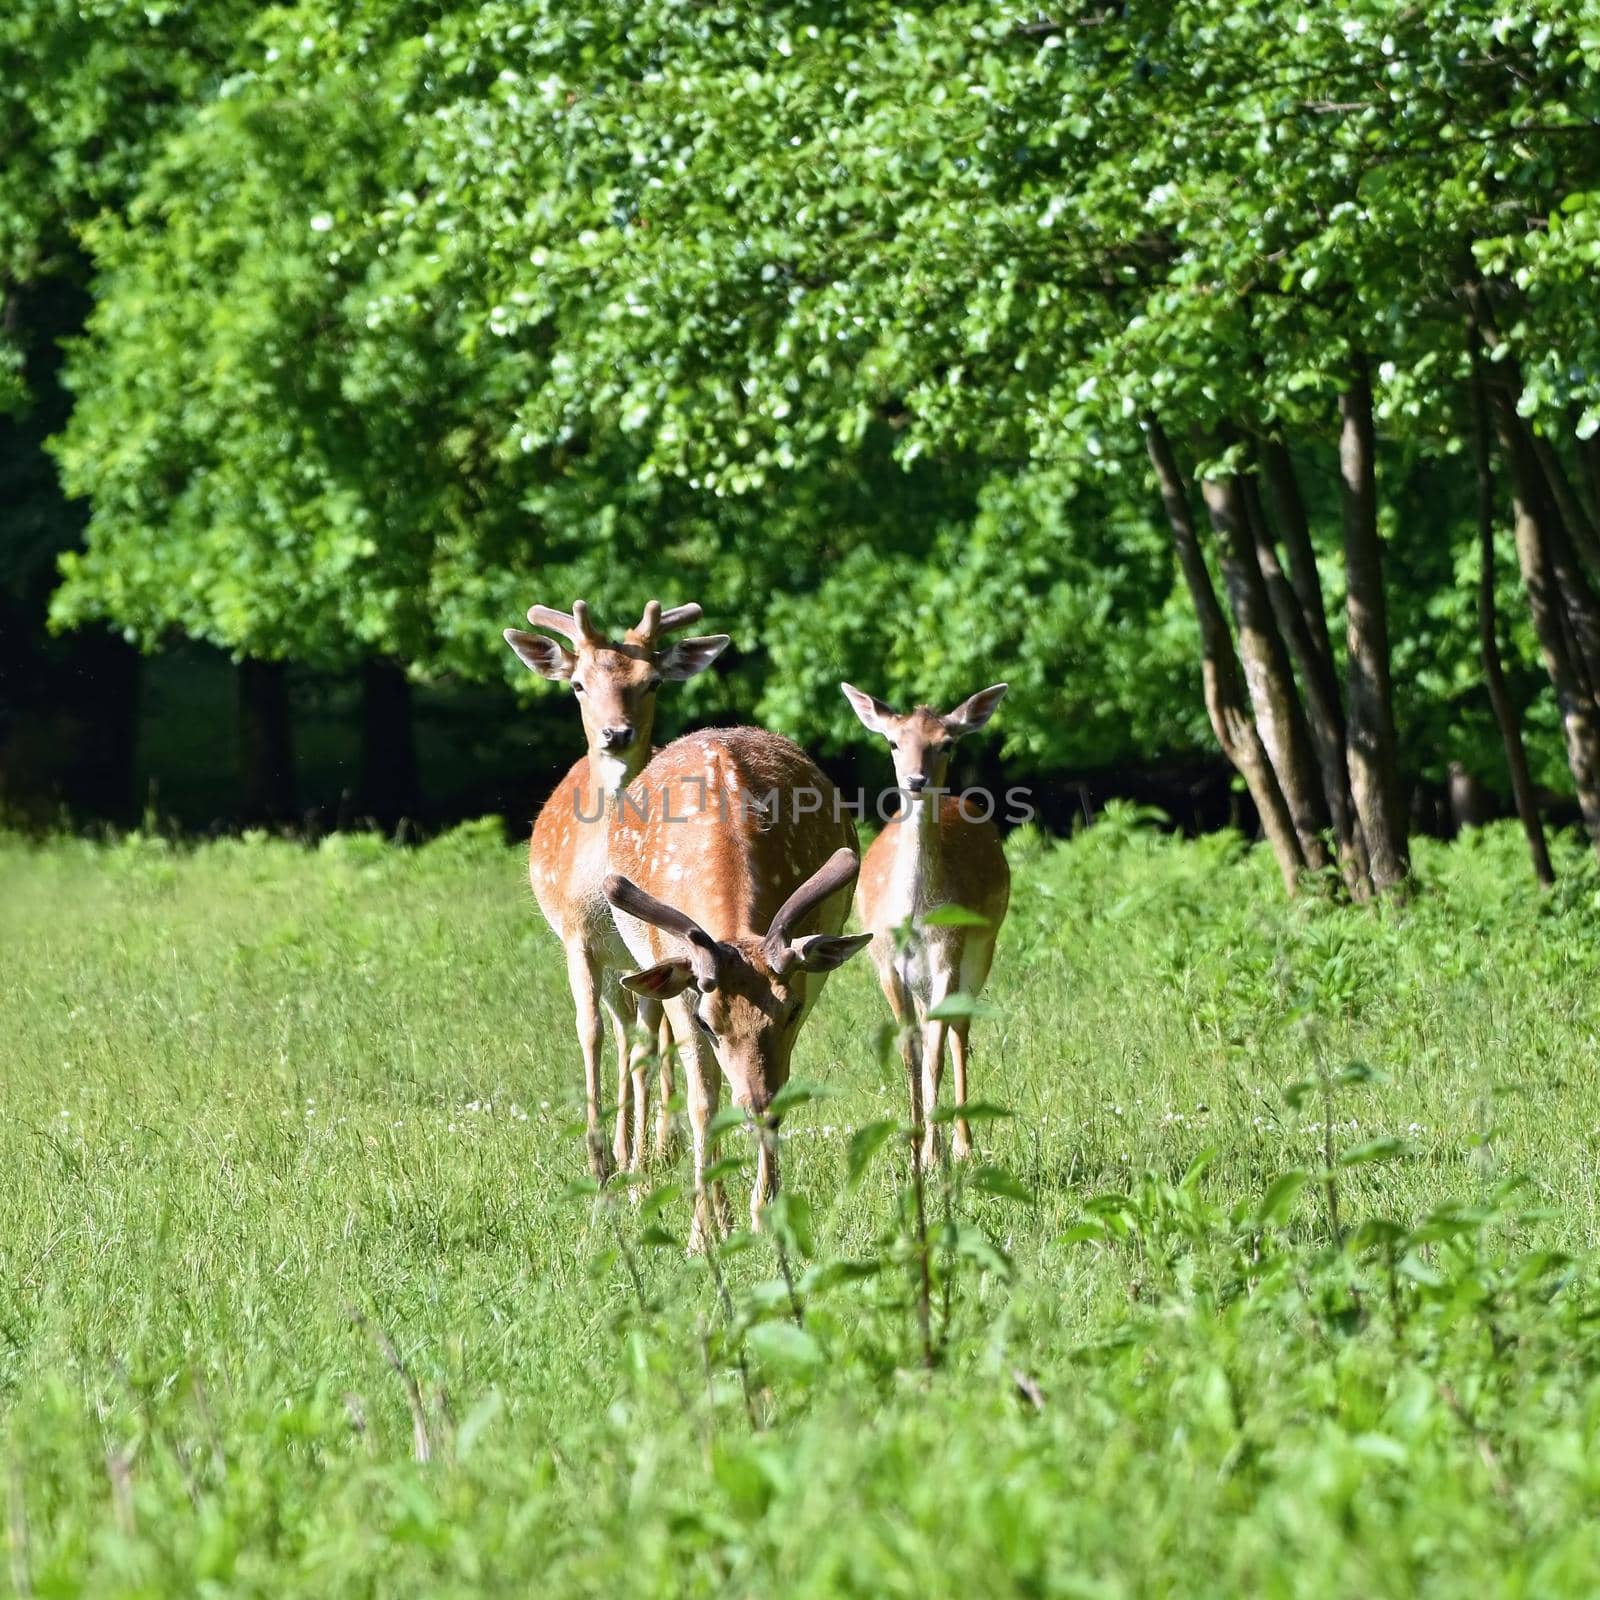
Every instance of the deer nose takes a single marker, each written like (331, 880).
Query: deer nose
(917, 784)
(617, 737)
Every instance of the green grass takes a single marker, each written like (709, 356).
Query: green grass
(249, 1089)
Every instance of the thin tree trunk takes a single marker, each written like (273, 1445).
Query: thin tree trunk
(266, 744)
(1568, 505)
(1505, 713)
(1580, 718)
(1273, 693)
(1324, 713)
(1374, 775)
(1289, 509)
(1220, 672)
(388, 746)
(1579, 608)
(1589, 455)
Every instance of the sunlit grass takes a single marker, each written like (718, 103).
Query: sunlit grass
(252, 1095)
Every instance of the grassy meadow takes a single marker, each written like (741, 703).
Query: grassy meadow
(1276, 1280)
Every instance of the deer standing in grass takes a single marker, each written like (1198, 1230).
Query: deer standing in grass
(732, 866)
(616, 684)
(930, 856)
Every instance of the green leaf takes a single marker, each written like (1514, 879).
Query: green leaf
(789, 1217)
(658, 1199)
(783, 1346)
(1279, 1200)
(865, 1143)
(956, 1007)
(972, 1111)
(1360, 1072)
(725, 1166)
(954, 917)
(1385, 1147)
(828, 1274)
(727, 1117)
(797, 1092)
(997, 1181)
(976, 1246)
(484, 1411)
(1084, 1233)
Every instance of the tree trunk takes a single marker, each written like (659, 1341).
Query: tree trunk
(388, 747)
(1589, 455)
(1569, 507)
(1278, 712)
(1580, 718)
(1220, 673)
(1578, 610)
(266, 746)
(1374, 778)
(1289, 509)
(1505, 713)
(1324, 712)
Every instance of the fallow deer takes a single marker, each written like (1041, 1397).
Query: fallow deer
(933, 854)
(616, 684)
(732, 864)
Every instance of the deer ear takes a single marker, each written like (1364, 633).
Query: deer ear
(542, 654)
(873, 712)
(660, 982)
(972, 713)
(691, 656)
(822, 952)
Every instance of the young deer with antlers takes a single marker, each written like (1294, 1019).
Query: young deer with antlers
(732, 866)
(931, 856)
(616, 684)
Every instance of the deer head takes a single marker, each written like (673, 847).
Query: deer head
(748, 993)
(922, 739)
(616, 682)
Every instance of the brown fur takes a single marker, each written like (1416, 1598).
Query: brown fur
(729, 863)
(616, 684)
(931, 856)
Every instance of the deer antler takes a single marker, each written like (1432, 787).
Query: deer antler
(839, 869)
(630, 899)
(575, 625)
(656, 622)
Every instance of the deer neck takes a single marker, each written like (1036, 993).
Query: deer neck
(916, 864)
(610, 774)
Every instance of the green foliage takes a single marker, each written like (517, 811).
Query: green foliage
(269, 1111)
(841, 319)
(87, 90)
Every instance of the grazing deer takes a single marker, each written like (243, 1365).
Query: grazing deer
(616, 684)
(932, 855)
(732, 865)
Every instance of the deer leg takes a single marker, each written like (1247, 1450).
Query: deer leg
(905, 1019)
(702, 1088)
(765, 1187)
(975, 963)
(961, 1133)
(664, 1108)
(641, 1046)
(583, 976)
(620, 1143)
(933, 1043)
(934, 1034)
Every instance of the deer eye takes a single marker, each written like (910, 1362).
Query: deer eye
(652, 685)
(893, 745)
(577, 688)
(701, 1023)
